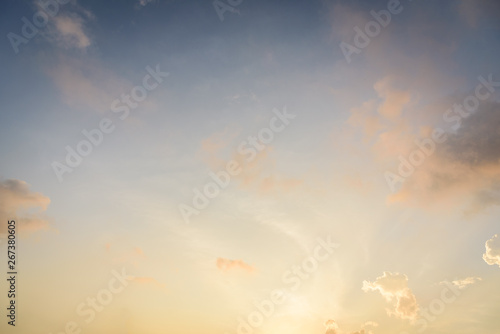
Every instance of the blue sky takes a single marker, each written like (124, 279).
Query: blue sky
(346, 165)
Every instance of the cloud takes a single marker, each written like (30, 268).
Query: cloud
(382, 120)
(83, 81)
(464, 170)
(492, 254)
(477, 140)
(394, 288)
(463, 283)
(331, 327)
(70, 32)
(466, 167)
(365, 118)
(405, 93)
(87, 83)
(18, 202)
(226, 265)
(395, 100)
(67, 28)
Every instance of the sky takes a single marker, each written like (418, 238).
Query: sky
(241, 167)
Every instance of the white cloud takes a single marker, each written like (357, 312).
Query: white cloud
(492, 254)
(394, 288)
(463, 283)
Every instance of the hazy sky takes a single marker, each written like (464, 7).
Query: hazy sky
(247, 167)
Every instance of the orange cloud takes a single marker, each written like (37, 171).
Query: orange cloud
(381, 119)
(464, 170)
(226, 265)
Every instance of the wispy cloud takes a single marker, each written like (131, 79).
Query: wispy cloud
(71, 32)
(17, 202)
(462, 283)
(68, 29)
(87, 83)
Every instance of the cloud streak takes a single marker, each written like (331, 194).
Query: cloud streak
(463, 283)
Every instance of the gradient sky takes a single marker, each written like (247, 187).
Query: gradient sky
(325, 175)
